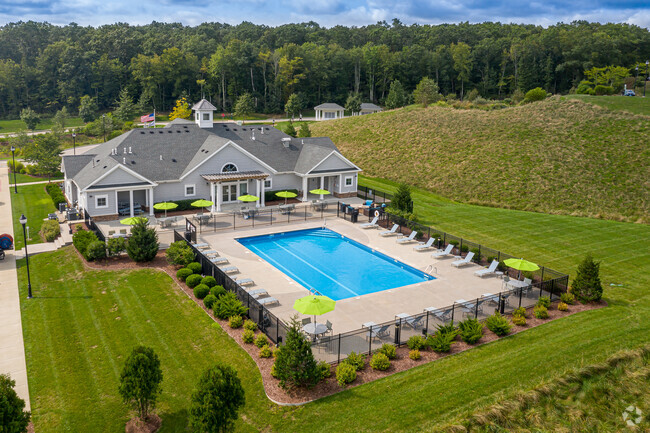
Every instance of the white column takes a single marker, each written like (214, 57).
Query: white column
(151, 201)
(219, 196)
(212, 196)
(257, 189)
(322, 185)
(340, 183)
(262, 191)
(304, 188)
(131, 201)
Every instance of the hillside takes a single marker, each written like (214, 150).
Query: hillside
(558, 156)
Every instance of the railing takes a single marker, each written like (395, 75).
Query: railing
(92, 226)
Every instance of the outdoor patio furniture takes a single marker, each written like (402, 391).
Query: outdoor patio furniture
(258, 293)
(122, 231)
(466, 261)
(392, 231)
(209, 253)
(491, 270)
(201, 245)
(466, 307)
(218, 260)
(442, 314)
(407, 319)
(528, 281)
(268, 301)
(320, 206)
(378, 332)
(202, 218)
(244, 281)
(111, 232)
(425, 247)
(444, 253)
(372, 224)
(287, 208)
(406, 240)
(516, 284)
(329, 326)
(229, 269)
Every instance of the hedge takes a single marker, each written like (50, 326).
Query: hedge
(270, 195)
(55, 193)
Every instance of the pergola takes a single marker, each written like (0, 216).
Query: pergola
(218, 179)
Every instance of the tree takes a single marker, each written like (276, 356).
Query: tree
(60, 119)
(586, 286)
(30, 118)
(140, 380)
(290, 130)
(397, 96)
(245, 105)
(44, 151)
(461, 54)
(87, 109)
(125, 108)
(353, 104)
(426, 92)
(217, 400)
(295, 365)
(402, 199)
(536, 94)
(143, 245)
(293, 106)
(13, 418)
(179, 253)
(304, 130)
(181, 110)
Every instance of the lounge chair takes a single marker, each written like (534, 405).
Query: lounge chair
(258, 293)
(229, 269)
(268, 301)
(244, 281)
(425, 247)
(210, 253)
(378, 332)
(407, 319)
(489, 271)
(122, 231)
(406, 240)
(444, 253)
(466, 261)
(201, 245)
(442, 314)
(219, 260)
(111, 232)
(390, 232)
(372, 224)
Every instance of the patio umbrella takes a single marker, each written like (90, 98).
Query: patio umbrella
(521, 265)
(202, 203)
(314, 305)
(286, 195)
(164, 206)
(320, 192)
(248, 197)
(132, 220)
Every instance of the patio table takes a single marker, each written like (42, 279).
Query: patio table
(517, 284)
(315, 329)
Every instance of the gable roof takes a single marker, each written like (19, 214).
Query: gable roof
(203, 104)
(370, 106)
(328, 106)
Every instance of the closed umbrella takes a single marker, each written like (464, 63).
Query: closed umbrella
(286, 195)
(165, 206)
(314, 305)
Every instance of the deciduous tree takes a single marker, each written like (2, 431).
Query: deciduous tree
(426, 92)
(30, 118)
(216, 402)
(140, 380)
(245, 105)
(181, 110)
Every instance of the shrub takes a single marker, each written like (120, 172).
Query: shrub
(357, 360)
(179, 253)
(586, 286)
(415, 354)
(195, 267)
(389, 350)
(96, 250)
(209, 301)
(116, 246)
(81, 239)
(14, 418)
(274, 371)
(440, 341)
(143, 245)
(50, 230)
(54, 191)
(201, 291)
(472, 95)
(19, 166)
(379, 362)
(325, 369)
(544, 301)
(345, 373)
(519, 320)
(270, 195)
(250, 325)
(229, 305)
(402, 199)
(536, 94)
(541, 312)
(568, 298)
(218, 291)
(498, 324)
(416, 342)
(295, 361)
(562, 306)
(471, 330)
(521, 312)
(209, 281)
(248, 336)
(260, 340)
(603, 90)
(265, 352)
(183, 273)
(193, 280)
(447, 329)
(235, 322)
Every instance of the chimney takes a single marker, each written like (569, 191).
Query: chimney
(124, 151)
(262, 129)
(161, 157)
(286, 142)
(124, 161)
(252, 134)
(130, 149)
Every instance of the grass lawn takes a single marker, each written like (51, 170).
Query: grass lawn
(25, 178)
(636, 104)
(34, 202)
(7, 126)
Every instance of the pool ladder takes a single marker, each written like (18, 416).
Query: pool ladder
(430, 268)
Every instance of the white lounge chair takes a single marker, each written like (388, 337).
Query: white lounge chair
(444, 253)
(210, 253)
(244, 281)
(390, 232)
(258, 293)
(425, 247)
(201, 245)
(268, 301)
(491, 270)
(230, 269)
(466, 261)
(407, 319)
(219, 260)
(372, 224)
(406, 240)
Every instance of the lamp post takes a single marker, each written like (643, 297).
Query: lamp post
(23, 221)
(636, 79)
(647, 73)
(13, 159)
(74, 143)
(104, 126)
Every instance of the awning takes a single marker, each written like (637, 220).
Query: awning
(235, 175)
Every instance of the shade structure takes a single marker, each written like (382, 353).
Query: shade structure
(521, 265)
(319, 191)
(202, 203)
(132, 220)
(314, 305)
(247, 197)
(165, 206)
(286, 195)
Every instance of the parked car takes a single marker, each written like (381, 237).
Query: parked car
(629, 92)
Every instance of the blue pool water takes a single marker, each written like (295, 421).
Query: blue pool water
(329, 263)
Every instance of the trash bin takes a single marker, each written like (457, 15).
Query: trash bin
(355, 216)
(342, 207)
(188, 236)
(62, 207)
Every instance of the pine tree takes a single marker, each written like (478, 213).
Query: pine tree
(140, 380)
(397, 96)
(402, 199)
(217, 400)
(304, 130)
(290, 130)
(586, 286)
(426, 92)
(87, 109)
(294, 363)
(125, 108)
(142, 246)
(353, 104)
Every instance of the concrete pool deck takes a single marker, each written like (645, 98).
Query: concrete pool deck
(450, 284)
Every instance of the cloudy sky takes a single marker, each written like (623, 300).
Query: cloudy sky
(326, 12)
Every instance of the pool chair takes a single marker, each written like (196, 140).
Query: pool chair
(201, 245)
(268, 301)
(407, 319)
(219, 260)
(370, 225)
(258, 293)
(444, 253)
(441, 314)
(210, 253)
(390, 232)
(425, 247)
(489, 271)
(244, 281)
(406, 240)
(466, 261)
(378, 332)
(229, 269)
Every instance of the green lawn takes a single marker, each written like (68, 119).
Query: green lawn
(34, 202)
(25, 178)
(8, 126)
(635, 105)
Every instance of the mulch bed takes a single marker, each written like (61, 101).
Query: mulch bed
(136, 425)
(329, 386)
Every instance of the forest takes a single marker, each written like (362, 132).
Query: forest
(48, 67)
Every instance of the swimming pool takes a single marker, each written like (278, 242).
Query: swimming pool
(331, 264)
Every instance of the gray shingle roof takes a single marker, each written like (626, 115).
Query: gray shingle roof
(328, 106)
(370, 106)
(74, 164)
(203, 104)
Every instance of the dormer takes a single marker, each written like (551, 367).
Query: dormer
(203, 111)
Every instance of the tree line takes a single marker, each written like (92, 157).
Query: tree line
(48, 67)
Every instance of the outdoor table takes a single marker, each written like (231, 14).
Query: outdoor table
(315, 328)
(517, 284)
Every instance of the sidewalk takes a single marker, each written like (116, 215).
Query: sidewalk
(12, 349)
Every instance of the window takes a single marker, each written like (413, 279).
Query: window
(267, 184)
(348, 181)
(206, 116)
(190, 190)
(101, 201)
(229, 168)
(330, 115)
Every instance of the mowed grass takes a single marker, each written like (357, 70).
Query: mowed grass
(558, 156)
(81, 326)
(33, 202)
(635, 105)
(26, 178)
(17, 125)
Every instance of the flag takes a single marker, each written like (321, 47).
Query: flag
(147, 118)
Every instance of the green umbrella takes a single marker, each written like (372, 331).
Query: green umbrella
(521, 265)
(202, 203)
(286, 195)
(165, 206)
(319, 191)
(132, 220)
(248, 197)
(314, 305)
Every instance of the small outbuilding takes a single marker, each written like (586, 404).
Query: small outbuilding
(369, 108)
(329, 111)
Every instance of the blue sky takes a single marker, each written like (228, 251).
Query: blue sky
(326, 12)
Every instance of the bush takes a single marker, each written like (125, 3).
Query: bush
(81, 239)
(270, 195)
(193, 280)
(55, 194)
(209, 281)
(236, 322)
(96, 250)
(544, 301)
(440, 341)
(14, 418)
(209, 301)
(586, 286)
(294, 360)
(357, 360)
(402, 199)
(389, 350)
(183, 273)
(250, 325)
(116, 246)
(603, 90)
(471, 330)
(143, 244)
(345, 373)
(415, 354)
(325, 369)
(447, 329)
(519, 320)
(50, 230)
(218, 291)
(216, 402)
(229, 305)
(541, 312)
(195, 267)
(416, 342)
(472, 95)
(179, 253)
(517, 96)
(265, 352)
(248, 336)
(201, 291)
(498, 324)
(261, 340)
(536, 94)
(19, 166)
(521, 312)
(568, 298)
(274, 371)
(562, 306)
(379, 362)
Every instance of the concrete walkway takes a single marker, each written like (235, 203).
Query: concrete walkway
(12, 349)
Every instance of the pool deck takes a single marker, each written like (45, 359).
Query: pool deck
(450, 284)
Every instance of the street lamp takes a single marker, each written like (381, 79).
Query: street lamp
(23, 221)
(13, 159)
(647, 73)
(104, 126)
(74, 143)
(636, 79)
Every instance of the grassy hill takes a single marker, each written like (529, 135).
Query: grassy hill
(559, 156)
